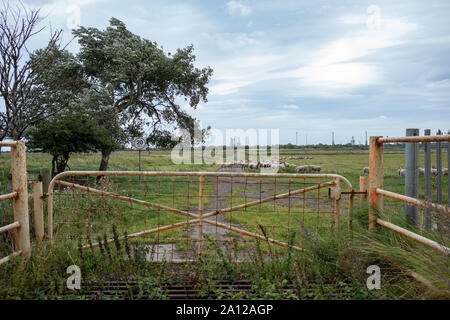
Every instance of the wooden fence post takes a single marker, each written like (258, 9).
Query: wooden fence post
(45, 175)
(38, 210)
(362, 188)
(20, 203)
(375, 180)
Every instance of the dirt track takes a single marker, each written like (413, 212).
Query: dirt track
(223, 188)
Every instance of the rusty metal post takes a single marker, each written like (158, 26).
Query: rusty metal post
(38, 210)
(200, 215)
(336, 214)
(411, 175)
(375, 180)
(362, 188)
(427, 176)
(350, 211)
(20, 203)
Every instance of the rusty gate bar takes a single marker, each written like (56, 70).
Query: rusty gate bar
(414, 201)
(414, 236)
(277, 197)
(200, 215)
(414, 139)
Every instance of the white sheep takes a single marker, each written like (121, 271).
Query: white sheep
(366, 170)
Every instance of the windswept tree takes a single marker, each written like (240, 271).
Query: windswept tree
(20, 80)
(139, 82)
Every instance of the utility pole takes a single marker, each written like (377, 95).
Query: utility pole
(366, 138)
(296, 138)
(332, 139)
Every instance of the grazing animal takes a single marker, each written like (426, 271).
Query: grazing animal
(301, 168)
(401, 172)
(366, 170)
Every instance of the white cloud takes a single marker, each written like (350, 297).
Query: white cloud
(441, 84)
(333, 66)
(237, 7)
(289, 106)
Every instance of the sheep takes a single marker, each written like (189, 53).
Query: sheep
(253, 165)
(433, 171)
(316, 168)
(302, 168)
(401, 172)
(445, 171)
(421, 171)
(366, 170)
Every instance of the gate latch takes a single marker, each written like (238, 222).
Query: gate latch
(334, 192)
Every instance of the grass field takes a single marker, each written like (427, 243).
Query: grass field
(85, 212)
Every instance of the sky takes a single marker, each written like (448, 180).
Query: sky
(312, 67)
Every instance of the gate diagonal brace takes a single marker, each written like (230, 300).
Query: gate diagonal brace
(277, 197)
(198, 219)
(128, 199)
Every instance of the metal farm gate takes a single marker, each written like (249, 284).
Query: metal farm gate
(181, 215)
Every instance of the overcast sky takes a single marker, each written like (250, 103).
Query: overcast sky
(310, 67)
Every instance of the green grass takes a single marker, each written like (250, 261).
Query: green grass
(339, 262)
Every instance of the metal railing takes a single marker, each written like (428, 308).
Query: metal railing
(191, 201)
(376, 191)
(19, 195)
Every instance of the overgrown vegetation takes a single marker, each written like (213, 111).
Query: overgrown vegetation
(328, 268)
(331, 267)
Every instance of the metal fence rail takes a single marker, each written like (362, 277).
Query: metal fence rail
(19, 196)
(182, 214)
(376, 191)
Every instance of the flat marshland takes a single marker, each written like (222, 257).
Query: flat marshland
(332, 265)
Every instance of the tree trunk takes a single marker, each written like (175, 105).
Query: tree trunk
(104, 162)
(53, 166)
(59, 163)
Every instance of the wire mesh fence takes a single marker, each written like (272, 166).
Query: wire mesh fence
(182, 215)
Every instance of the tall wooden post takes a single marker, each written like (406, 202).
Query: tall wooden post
(45, 175)
(20, 203)
(375, 180)
(38, 210)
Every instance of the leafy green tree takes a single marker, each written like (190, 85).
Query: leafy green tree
(139, 83)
